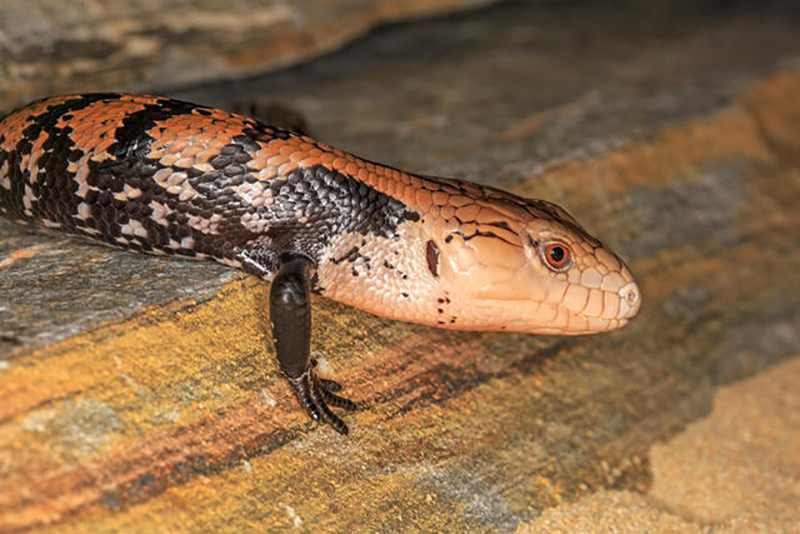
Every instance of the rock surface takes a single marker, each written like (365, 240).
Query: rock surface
(733, 472)
(51, 46)
(155, 405)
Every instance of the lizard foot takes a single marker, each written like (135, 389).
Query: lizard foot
(316, 394)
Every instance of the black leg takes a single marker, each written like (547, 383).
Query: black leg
(290, 312)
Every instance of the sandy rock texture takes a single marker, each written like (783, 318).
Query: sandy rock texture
(734, 471)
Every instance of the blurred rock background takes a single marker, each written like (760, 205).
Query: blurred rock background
(50, 47)
(141, 395)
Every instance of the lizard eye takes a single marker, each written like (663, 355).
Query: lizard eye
(556, 256)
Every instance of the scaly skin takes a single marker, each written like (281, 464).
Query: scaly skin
(168, 177)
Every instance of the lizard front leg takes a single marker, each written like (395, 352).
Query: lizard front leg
(290, 314)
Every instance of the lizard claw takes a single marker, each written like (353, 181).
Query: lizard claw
(315, 394)
(331, 386)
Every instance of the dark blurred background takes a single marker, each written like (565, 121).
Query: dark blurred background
(48, 46)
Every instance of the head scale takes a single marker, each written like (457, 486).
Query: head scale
(528, 266)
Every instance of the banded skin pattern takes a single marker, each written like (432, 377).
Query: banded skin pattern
(161, 176)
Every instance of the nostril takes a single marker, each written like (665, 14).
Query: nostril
(631, 297)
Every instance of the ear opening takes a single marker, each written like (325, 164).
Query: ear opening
(432, 255)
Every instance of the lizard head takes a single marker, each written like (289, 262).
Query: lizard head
(528, 266)
(477, 258)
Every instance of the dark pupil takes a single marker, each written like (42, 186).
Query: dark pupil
(557, 254)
